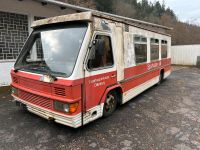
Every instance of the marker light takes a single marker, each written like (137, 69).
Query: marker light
(73, 107)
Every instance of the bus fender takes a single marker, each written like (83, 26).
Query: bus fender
(108, 89)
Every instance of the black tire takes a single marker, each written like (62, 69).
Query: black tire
(161, 77)
(110, 104)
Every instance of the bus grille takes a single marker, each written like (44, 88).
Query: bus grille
(15, 80)
(59, 91)
(35, 99)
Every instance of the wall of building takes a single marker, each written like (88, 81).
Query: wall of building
(185, 54)
(16, 18)
(32, 8)
(13, 33)
(5, 73)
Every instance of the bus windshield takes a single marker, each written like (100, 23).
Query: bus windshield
(52, 50)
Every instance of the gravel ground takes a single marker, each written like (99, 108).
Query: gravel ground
(164, 117)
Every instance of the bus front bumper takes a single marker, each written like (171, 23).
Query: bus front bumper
(71, 121)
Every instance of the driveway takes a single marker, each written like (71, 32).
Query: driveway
(164, 117)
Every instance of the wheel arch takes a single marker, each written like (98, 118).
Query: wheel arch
(116, 88)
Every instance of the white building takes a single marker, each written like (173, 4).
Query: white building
(186, 55)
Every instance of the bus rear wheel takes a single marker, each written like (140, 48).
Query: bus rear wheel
(110, 104)
(161, 77)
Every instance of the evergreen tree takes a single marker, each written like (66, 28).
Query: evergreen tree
(105, 5)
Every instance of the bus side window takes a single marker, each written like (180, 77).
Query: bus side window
(140, 46)
(164, 48)
(154, 49)
(101, 55)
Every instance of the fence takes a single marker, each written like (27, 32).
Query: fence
(185, 54)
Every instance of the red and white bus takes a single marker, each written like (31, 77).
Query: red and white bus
(76, 68)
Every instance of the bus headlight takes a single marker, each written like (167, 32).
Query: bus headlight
(65, 107)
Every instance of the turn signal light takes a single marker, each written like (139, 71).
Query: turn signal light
(73, 107)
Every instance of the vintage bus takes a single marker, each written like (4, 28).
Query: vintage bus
(76, 68)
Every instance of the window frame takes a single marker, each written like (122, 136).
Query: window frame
(157, 44)
(143, 43)
(89, 50)
(35, 31)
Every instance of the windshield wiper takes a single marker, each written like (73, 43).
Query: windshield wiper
(38, 68)
(48, 70)
(16, 70)
(52, 76)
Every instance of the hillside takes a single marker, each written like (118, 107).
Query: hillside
(182, 34)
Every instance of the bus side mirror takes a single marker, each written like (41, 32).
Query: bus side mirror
(92, 43)
(98, 44)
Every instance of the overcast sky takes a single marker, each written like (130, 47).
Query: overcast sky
(186, 10)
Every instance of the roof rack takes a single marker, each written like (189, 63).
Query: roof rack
(82, 9)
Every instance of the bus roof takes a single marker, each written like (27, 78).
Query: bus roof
(88, 16)
(82, 9)
(85, 16)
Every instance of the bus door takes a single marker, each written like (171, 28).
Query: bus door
(100, 71)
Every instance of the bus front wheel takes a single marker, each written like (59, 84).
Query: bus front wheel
(110, 104)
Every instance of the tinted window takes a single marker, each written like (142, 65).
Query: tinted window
(154, 49)
(140, 44)
(101, 55)
(164, 49)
